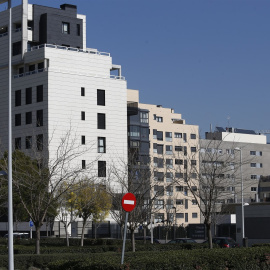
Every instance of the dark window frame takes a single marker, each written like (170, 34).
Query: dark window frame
(101, 168)
(101, 121)
(101, 97)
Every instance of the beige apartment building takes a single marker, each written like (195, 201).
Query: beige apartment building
(174, 158)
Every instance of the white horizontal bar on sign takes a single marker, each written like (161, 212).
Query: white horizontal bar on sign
(128, 202)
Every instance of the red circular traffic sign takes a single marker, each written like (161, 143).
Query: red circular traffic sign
(128, 202)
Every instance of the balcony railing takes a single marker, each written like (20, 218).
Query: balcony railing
(30, 73)
(4, 34)
(67, 49)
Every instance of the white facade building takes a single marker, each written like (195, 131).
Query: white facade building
(60, 87)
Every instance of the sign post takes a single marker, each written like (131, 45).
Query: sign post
(31, 224)
(128, 204)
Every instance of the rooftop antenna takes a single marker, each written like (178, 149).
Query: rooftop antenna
(228, 119)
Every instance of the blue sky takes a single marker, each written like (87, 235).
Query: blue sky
(206, 59)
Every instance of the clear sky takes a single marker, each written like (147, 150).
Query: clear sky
(209, 60)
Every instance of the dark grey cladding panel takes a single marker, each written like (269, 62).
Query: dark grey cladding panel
(48, 26)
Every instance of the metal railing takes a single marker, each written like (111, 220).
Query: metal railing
(29, 73)
(4, 34)
(67, 49)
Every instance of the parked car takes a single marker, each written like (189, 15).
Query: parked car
(182, 241)
(147, 238)
(18, 235)
(225, 242)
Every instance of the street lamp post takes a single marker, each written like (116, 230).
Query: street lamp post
(174, 232)
(10, 204)
(242, 197)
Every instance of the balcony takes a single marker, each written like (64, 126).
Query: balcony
(30, 73)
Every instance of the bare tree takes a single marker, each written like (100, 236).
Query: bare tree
(215, 180)
(38, 177)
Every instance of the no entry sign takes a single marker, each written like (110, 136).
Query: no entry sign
(128, 202)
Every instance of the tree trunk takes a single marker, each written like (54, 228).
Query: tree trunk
(95, 230)
(82, 236)
(37, 251)
(133, 240)
(209, 235)
(144, 234)
(66, 231)
(166, 236)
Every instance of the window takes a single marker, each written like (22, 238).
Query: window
(253, 188)
(193, 175)
(83, 164)
(83, 139)
(78, 29)
(18, 143)
(83, 116)
(194, 188)
(193, 162)
(193, 136)
(185, 164)
(101, 168)
(253, 153)
(186, 203)
(194, 215)
(169, 163)
(144, 132)
(17, 119)
(185, 137)
(28, 95)
(101, 145)
(179, 215)
(159, 217)
(160, 135)
(179, 188)
(159, 176)
(168, 136)
(169, 149)
(39, 140)
(101, 97)
(17, 48)
(82, 91)
(18, 95)
(134, 131)
(179, 161)
(65, 28)
(101, 121)
(193, 149)
(194, 202)
(154, 134)
(254, 177)
(40, 65)
(154, 148)
(185, 191)
(179, 175)
(159, 119)
(160, 162)
(28, 142)
(179, 202)
(169, 190)
(32, 67)
(185, 150)
(160, 149)
(177, 135)
(178, 148)
(144, 117)
(39, 93)
(28, 118)
(159, 204)
(39, 118)
(186, 217)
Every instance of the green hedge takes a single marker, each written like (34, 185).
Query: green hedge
(229, 259)
(203, 259)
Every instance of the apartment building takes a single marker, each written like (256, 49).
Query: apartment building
(255, 155)
(172, 148)
(60, 87)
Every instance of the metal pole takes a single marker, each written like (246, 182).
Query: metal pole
(124, 241)
(242, 198)
(152, 240)
(10, 204)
